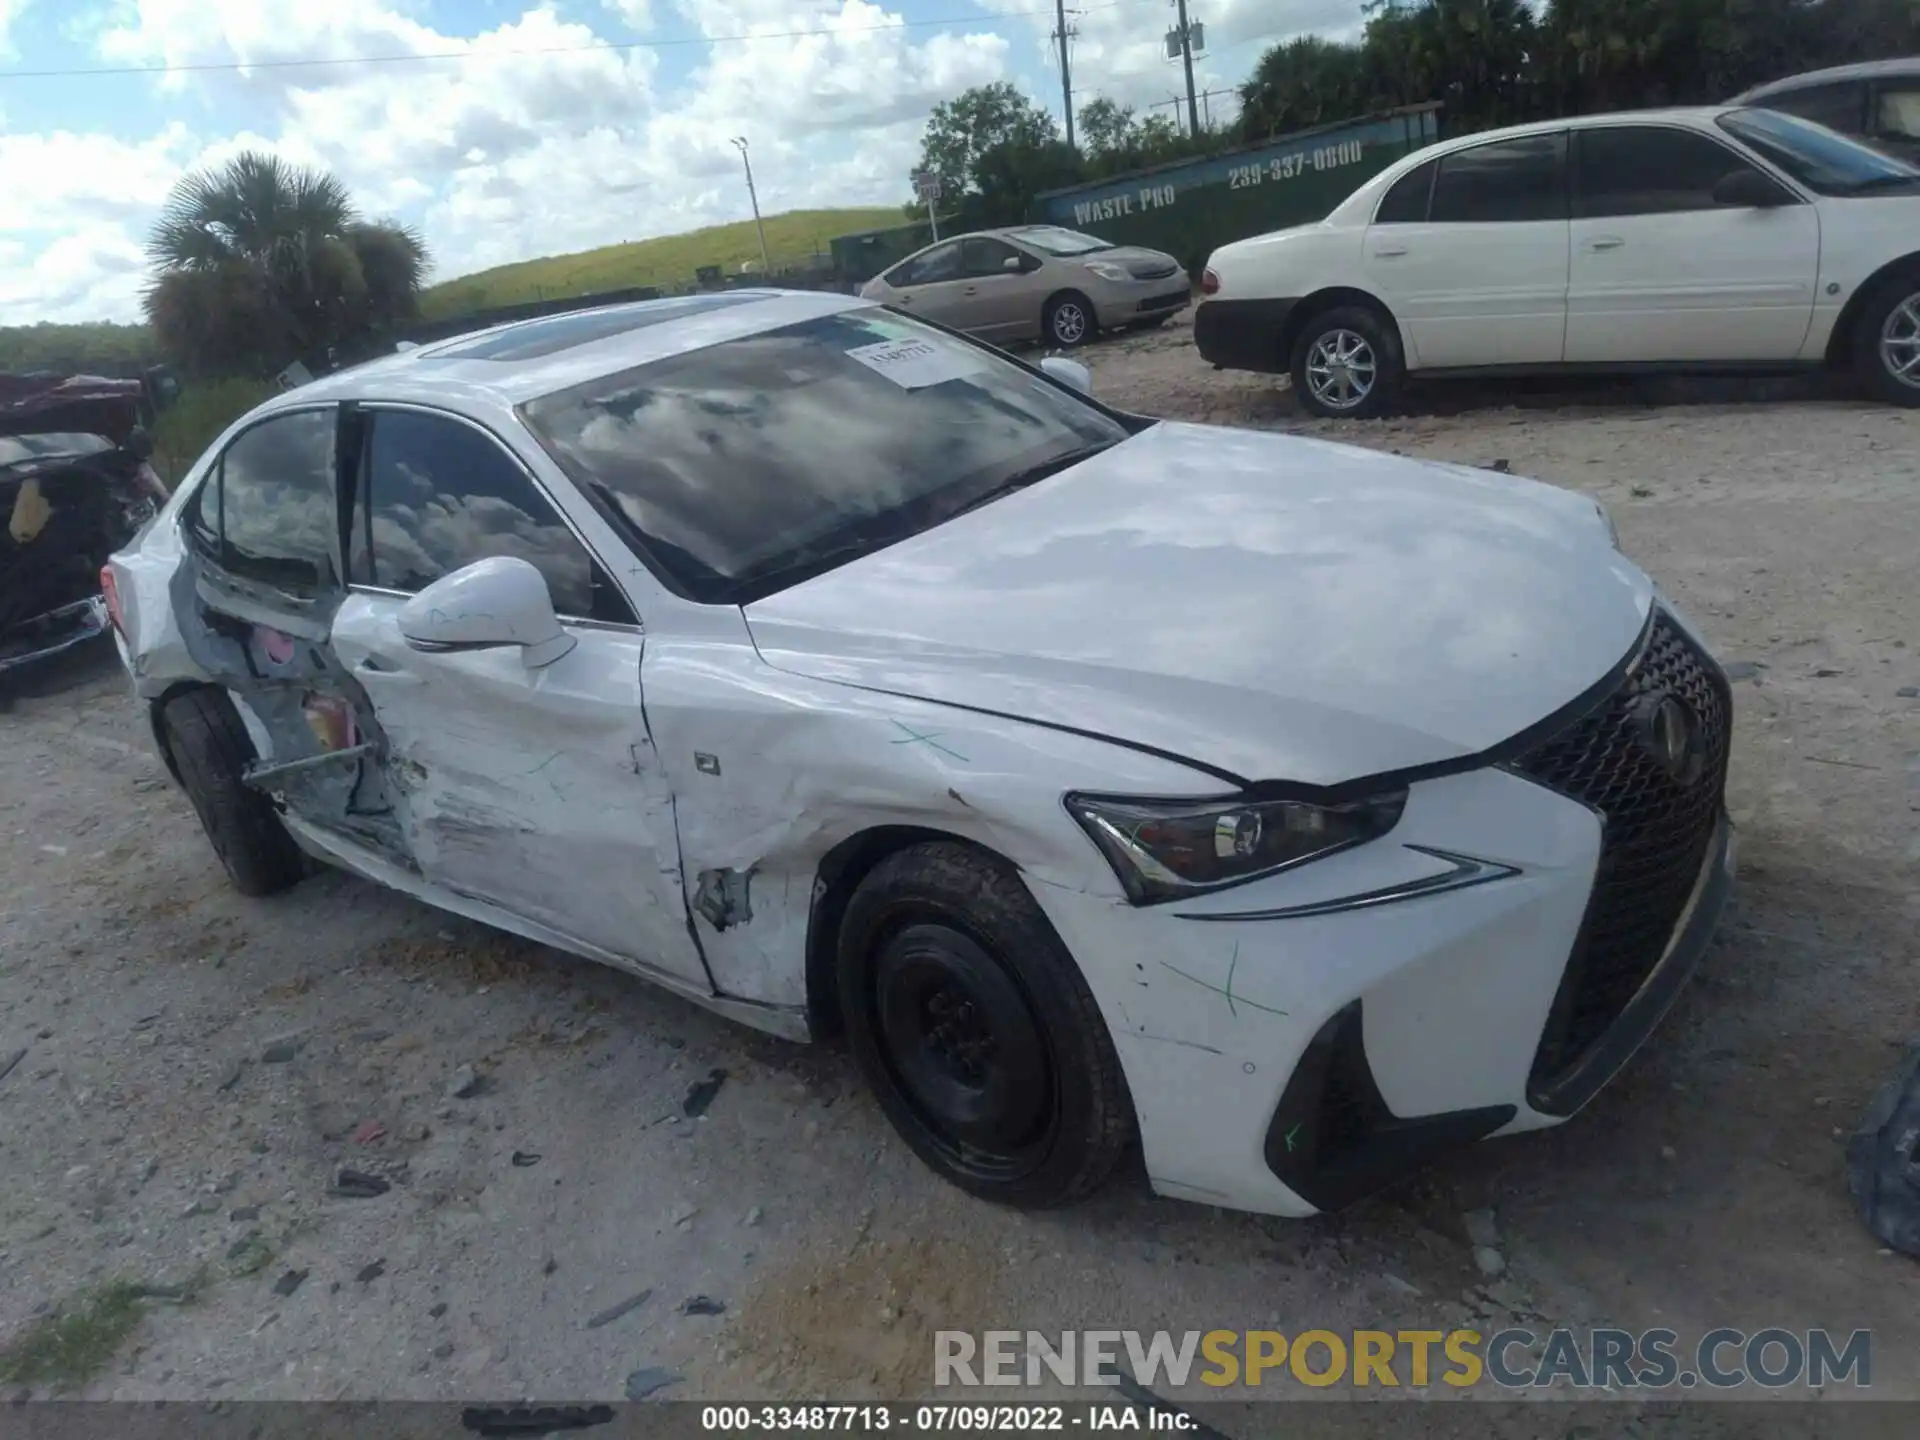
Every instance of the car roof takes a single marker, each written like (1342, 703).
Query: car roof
(1860, 70)
(525, 359)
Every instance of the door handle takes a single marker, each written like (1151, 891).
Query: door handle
(903, 299)
(374, 665)
(971, 290)
(1605, 242)
(1388, 252)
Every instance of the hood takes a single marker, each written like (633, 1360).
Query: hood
(1271, 607)
(1140, 262)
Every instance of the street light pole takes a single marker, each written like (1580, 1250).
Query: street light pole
(766, 265)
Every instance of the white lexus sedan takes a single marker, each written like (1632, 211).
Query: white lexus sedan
(1726, 239)
(1300, 810)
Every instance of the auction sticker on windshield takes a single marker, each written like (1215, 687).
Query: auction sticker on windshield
(914, 364)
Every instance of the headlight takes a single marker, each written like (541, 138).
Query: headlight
(1106, 270)
(1164, 849)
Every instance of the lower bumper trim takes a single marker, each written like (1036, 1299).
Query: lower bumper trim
(1333, 1139)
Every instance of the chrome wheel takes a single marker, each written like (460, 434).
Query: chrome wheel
(1341, 369)
(1069, 322)
(1900, 342)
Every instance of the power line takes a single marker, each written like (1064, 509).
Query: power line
(201, 66)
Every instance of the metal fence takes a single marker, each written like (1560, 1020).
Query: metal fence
(1189, 208)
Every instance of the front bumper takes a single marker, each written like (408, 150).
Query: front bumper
(1296, 1042)
(1118, 304)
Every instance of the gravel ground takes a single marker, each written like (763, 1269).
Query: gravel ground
(199, 1067)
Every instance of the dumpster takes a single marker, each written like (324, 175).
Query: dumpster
(1189, 208)
(858, 257)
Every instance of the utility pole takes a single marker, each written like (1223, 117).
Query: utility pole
(1185, 33)
(1062, 34)
(740, 143)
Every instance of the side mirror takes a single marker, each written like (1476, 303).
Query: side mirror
(1746, 190)
(1069, 372)
(497, 601)
(1011, 264)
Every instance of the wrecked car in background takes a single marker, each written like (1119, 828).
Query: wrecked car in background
(1303, 810)
(75, 485)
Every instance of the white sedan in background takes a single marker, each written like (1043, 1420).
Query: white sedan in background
(1302, 811)
(1722, 239)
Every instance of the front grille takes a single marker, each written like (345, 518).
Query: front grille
(1151, 269)
(1163, 302)
(1657, 830)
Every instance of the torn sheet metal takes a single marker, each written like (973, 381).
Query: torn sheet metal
(768, 778)
(532, 790)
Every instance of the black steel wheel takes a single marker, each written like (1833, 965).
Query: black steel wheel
(976, 1031)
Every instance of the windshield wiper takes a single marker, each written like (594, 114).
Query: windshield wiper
(1021, 479)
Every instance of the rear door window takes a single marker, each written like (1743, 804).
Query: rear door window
(1509, 181)
(435, 494)
(938, 264)
(1406, 202)
(267, 512)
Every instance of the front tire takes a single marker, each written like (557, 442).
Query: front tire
(976, 1031)
(1346, 364)
(1069, 320)
(1886, 340)
(212, 749)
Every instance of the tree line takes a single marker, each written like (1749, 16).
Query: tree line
(1490, 62)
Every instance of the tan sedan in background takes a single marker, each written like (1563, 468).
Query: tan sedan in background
(1035, 282)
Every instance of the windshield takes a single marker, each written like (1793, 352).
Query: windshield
(1055, 241)
(1821, 159)
(746, 467)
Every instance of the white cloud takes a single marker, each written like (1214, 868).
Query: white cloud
(9, 12)
(536, 142)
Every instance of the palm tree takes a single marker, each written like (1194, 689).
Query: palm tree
(259, 262)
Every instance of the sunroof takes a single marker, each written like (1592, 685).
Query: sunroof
(531, 339)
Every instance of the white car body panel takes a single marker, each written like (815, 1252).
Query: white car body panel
(1473, 294)
(1268, 586)
(532, 790)
(1734, 286)
(1188, 609)
(1703, 285)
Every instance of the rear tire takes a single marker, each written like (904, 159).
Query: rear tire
(1068, 320)
(1886, 340)
(1346, 364)
(976, 1030)
(212, 749)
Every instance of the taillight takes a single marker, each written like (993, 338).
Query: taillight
(112, 592)
(1209, 283)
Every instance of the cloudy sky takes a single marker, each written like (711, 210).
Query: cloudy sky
(507, 130)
